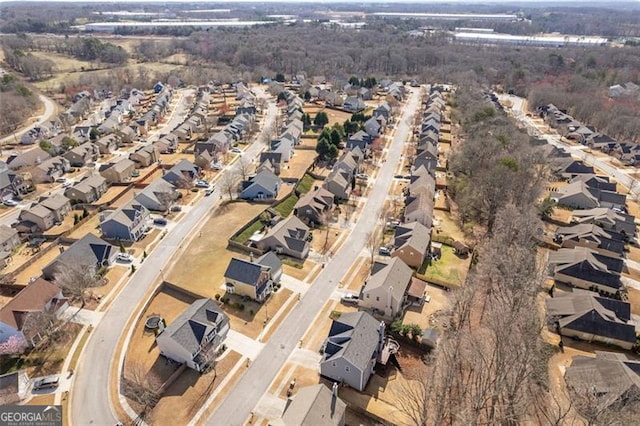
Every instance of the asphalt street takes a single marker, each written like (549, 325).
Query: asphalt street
(90, 402)
(241, 400)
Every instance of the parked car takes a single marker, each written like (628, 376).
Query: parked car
(10, 203)
(362, 176)
(350, 299)
(209, 191)
(176, 208)
(67, 184)
(236, 150)
(46, 383)
(202, 184)
(124, 257)
(217, 166)
(384, 251)
(135, 173)
(61, 180)
(160, 221)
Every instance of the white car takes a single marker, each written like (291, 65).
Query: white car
(209, 191)
(217, 166)
(125, 257)
(362, 176)
(236, 150)
(202, 184)
(10, 203)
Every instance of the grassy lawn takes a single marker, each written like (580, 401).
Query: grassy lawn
(450, 270)
(305, 184)
(201, 270)
(286, 206)
(244, 236)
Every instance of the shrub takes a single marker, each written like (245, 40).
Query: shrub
(241, 306)
(217, 296)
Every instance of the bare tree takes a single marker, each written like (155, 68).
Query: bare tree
(166, 198)
(229, 183)
(372, 243)
(74, 279)
(142, 387)
(38, 325)
(244, 167)
(412, 397)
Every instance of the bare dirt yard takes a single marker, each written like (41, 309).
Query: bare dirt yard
(422, 315)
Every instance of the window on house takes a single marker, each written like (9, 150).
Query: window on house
(346, 368)
(377, 298)
(333, 364)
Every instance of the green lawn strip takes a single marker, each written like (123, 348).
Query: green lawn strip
(286, 206)
(244, 235)
(305, 184)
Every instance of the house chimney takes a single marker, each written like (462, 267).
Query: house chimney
(334, 398)
(251, 257)
(390, 300)
(381, 333)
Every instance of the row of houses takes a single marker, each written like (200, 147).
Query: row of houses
(590, 256)
(626, 151)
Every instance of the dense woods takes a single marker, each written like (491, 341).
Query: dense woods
(17, 103)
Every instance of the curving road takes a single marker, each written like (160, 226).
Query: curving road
(90, 402)
(50, 110)
(241, 400)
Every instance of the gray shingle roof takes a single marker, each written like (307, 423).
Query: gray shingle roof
(313, 406)
(243, 271)
(196, 322)
(355, 337)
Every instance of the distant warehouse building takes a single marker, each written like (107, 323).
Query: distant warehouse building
(553, 40)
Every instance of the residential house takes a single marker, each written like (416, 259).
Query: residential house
(579, 194)
(587, 269)
(427, 158)
(253, 279)
(595, 181)
(372, 127)
(586, 315)
(411, 243)
(606, 242)
(359, 139)
(568, 168)
(263, 186)
(624, 89)
(385, 289)
(46, 213)
(611, 377)
(284, 146)
(14, 387)
(183, 174)
(89, 251)
(119, 172)
(315, 207)
(274, 159)
(167, 144)
(158, 195)
(313, 405)
(31, 157)
(107, 144)
(88, 190)
(355, 344)
(384, 110)
(9, 239)
(194, 336)
(38, 296)
(11, 183)
(339, 183)
(290, 236)
(419, 209)
(144, 156)
(608, 219)
(127, 223)
(353, 104)
(83, 154)
(50, 170)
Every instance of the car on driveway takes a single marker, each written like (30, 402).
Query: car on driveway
(160, 221)
(10, 203)
(202, 184)
(50, 382)
(384, 251)
(124, 257)
(236, 150)
(349, 299)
